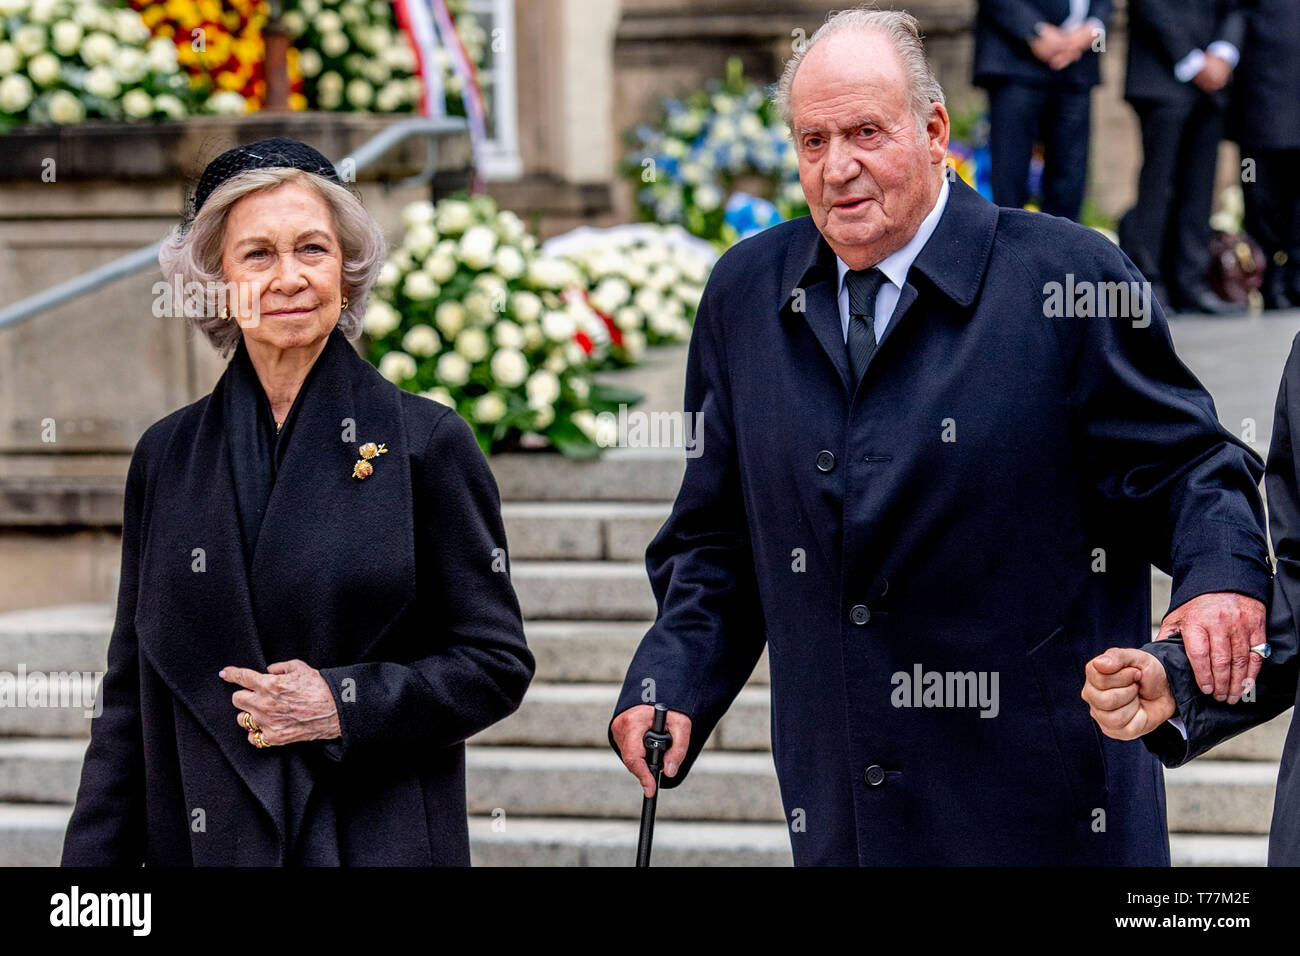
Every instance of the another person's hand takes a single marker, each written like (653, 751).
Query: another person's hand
(290, 703)
(1218, 632)
(629, 729)
(1214, 74)
(1049, 43)
(1075, 43)
(1127, 692)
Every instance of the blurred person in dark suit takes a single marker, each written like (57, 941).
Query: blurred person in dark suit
(1180, 58)
(1266, 99)
(1038, 59)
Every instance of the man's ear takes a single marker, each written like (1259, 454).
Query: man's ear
(937, 131)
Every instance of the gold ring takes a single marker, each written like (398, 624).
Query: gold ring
(247, 722)
(259, 741)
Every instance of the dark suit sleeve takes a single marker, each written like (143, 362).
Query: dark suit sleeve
(1232, 26)
(708, 633)
(479, 665)
(1154, 449)
(1165, 24)
(1208, 721)
(1101, 9)
(1015, 18)
(107, 824)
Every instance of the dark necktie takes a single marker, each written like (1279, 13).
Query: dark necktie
(863, 286)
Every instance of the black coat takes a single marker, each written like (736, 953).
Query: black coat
(1210, 722)
(950, 513)
(1266, 89)
(1002, 28)
(392, 583)
(1162, 32)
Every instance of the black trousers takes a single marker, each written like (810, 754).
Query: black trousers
(1272, 201)
(1167, 233)
(1019, 116)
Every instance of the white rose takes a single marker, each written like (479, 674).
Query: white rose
(391, 98)
(98, 49)
(558, 326)
(169, 105)
(420, 239)
(452, 369)
(579, 387)
(65, 37)
(64, 107)
(441, 266)
(137, 104)
(542, 388)
(331, 82)
(43, 69)
(611, 293)
(488, 408)
(100, 82)
(585, 419)
(628, 317)
(526, 306)
(417, 213)
(334, 44)
(510, 263)
(663, 324)
(129, 27)
(510, 227)
(329, 22)
(478, 305)
(634, 346)
(130, 66)
(534, 337)
(42, 11)
(450, 319)
(162, 55)
(556, 362)
(476, 247)
(397, 367)
(574, 354)
(509, 368)
(15, 93)
(508, 335)
(389, 273)
(454, 216)
(420, 286)
(228, 103)
(647, 300)
(30, 39)
(310, 62)
(380, 319)
(8, 59)
(294, 22)
(472, 344)
(440, 394)
(707, 198)
(421, 340)
(544, 418)
(360, 93)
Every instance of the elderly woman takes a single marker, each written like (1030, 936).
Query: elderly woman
(314, 611)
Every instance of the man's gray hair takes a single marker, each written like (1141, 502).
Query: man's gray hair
(903, 32)
(194, 254)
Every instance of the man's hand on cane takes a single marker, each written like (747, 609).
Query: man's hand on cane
(630, 727)
(1127, 692)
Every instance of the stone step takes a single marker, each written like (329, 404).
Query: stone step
(71, 637)
(621, 474)
(44, 705)
(577, 715)
(40, 771)
(585, 590)
(32, 835)
(582, 531)
(1221, 796)
(532, 841)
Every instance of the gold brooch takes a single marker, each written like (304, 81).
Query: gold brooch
(363, 468)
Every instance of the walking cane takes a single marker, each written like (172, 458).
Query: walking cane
(657, 742)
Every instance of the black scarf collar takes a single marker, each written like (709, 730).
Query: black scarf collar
(256, 449)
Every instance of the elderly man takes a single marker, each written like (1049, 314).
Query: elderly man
(941, 458)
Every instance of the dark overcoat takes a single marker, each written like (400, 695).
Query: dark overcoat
(1209, 722)
(985, 504)
(393, 586)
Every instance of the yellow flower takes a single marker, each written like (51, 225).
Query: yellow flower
(297, 101)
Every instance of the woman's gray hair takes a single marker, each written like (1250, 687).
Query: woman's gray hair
(193, 253)
(903, 32)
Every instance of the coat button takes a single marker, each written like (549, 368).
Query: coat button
(825, 461)
(874, 775)
(860, 614)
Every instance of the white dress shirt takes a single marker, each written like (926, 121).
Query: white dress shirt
(895, 267)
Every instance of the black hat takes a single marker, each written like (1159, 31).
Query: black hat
(279, 151)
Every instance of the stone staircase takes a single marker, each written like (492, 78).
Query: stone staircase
(543, 786)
